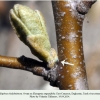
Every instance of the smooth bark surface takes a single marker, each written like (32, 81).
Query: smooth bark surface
(68, 24)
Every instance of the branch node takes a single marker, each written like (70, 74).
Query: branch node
(52, 75)
(84, 6)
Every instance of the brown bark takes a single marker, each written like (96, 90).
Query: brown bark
(23, 63)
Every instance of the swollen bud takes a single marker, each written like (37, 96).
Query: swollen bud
(30, 28)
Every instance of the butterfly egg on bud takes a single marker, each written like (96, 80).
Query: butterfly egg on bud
(53, 58)
(30, 28)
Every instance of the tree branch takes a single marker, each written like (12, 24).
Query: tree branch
(69, 16)
(31, 65)
(68, 24)
(23, 63)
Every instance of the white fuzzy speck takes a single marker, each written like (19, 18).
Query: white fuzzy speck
(81, 46)
(78, 22)
(70, 85)
(76, 35)
(72, 28)
(63, 37)
(59, 35)
(63, 13)
(81, 63)
(79, 31)
(61, 68)
(62, 76)
(71, 37)
(78, 68)
(63, 48)
(59, 74)
(70, 10)
(74, 56)
(81, 84)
